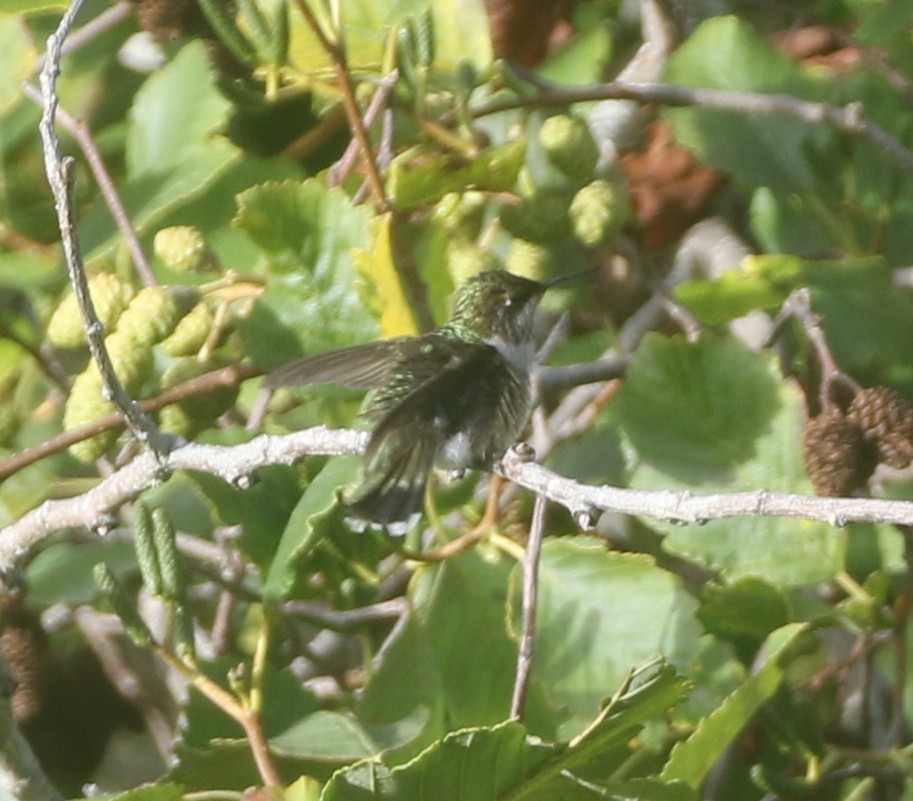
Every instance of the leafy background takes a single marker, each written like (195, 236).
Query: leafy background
(755, 658)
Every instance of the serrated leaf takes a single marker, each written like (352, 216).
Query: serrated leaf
(715, 416)
(416, 182)
(599, 612)
(504, 761)
(303, 530)
(174, 147)
(759, 150)
(693, 758)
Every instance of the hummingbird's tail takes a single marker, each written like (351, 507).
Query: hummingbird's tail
(396, 471)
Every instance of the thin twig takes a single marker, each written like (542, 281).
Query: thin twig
(799, 306)
(530, 597)
(849, 119)
(335, 49)
(80, 132)
(339, 171)
(60, 176)
(95, 27)
(201, 385)
(246, 717)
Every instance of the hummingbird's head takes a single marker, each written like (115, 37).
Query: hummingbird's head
(497, 305)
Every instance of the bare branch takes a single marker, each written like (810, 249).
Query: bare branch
(80, 132)
(60, 178)
(237, 463)
(849, 119)
(530, 597)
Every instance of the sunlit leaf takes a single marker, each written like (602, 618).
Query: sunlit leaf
(760, 150)
(715, 416)
(174, 149)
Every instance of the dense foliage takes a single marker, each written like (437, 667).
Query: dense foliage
(209, 638)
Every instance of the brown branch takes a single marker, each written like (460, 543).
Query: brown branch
(247, 717)
(849, 119)
(335, 49)
(223, 377)
(80, 132)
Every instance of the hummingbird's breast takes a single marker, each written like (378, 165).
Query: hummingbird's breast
(493, 418)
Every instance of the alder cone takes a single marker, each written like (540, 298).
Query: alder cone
(169, 20)
(838, 458)
(885, 419)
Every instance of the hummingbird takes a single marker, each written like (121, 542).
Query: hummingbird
(454, 398)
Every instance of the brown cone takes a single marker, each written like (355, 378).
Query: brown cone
(837, 457)
(885, 419)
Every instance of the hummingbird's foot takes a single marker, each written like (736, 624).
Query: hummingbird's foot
(524, 452)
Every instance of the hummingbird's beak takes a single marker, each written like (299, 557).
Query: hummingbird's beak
(569, 277)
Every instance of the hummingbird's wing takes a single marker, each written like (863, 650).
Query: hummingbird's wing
(412, 429)
(359, 366)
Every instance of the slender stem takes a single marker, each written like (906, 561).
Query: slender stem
(849, 119)
(901, 641)
(530, 598)
(337, 53)
(209, 382)
(247, 718)
(83, 137)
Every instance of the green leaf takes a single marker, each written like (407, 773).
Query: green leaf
(415, 182)
(29, 6)
(25, 270)
(715, 416)
(759, 150)
(303, 530)
(260, 511)
(764, 282)
(402, 706)
(504, 761)
(174, 148)
(461, 33)
(324, 735)
(693, 758)
(310, 235)
(869, 331)
(17, 58)
(744, 613)
(460, 601)
(576, 642)
(160, 791)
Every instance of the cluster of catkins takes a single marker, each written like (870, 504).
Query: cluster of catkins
(172, 322)
(578, 201)
(842, 449)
